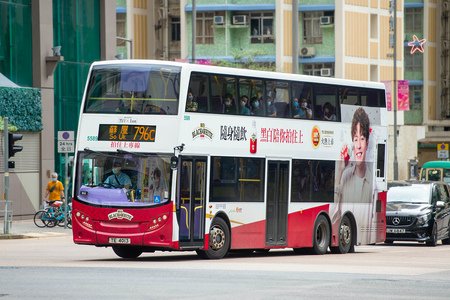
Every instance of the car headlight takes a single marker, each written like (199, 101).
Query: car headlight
(423, 219)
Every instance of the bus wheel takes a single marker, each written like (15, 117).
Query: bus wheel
(345, 237)
(127, 251)
(219, 239)
(321, 235)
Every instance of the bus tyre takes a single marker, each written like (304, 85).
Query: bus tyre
(127, 251)
(345, 237)
(219, 239)
(321, 235)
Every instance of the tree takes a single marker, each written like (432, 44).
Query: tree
(246, 59)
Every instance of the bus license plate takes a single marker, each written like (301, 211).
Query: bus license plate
(119, 240)
(395, 230)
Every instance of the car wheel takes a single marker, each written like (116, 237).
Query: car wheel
(433, 241)
(388, 241)
(447, 240)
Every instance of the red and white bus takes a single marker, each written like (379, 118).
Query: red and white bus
(230, 172)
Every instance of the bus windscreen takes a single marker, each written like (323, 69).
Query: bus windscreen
(133, 89)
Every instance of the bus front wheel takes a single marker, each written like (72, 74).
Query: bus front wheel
(345, 237)
(127, 251)
(219, 240)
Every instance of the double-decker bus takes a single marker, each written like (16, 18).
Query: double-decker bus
(175, 156)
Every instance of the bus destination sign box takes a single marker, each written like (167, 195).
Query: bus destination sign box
(131, 133)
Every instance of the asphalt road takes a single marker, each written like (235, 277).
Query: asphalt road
(43, 267)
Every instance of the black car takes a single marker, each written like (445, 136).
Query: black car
(418, 212)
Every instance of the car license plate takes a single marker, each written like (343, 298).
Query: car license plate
(395, 230)
(119, 240)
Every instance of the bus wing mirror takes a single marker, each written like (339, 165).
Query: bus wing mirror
(174, 162)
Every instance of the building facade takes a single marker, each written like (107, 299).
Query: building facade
(30, 30)
(350, 39)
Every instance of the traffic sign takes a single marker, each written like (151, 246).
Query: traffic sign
(66, 146)
(442, 150)
(64, 135)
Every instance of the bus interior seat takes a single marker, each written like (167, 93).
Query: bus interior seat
(216, 105)
(111, 105)
(319, 113)
(282, 109)
(202, 102)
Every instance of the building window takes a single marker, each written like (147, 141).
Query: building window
(312, 33)
(261, 27)
(121, 28)
(413, 62)
(205, 29)
(316, 69)
(413, 20)
(415, 96)
(175, 29)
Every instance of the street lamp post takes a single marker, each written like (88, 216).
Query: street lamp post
(129, 41)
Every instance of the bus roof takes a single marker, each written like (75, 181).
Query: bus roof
(437, 164)
(254, 73)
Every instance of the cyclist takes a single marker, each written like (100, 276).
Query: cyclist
(54, 190)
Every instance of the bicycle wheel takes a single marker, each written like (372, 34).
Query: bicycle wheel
(39, 218)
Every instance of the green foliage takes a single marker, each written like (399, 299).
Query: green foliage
(23, 107)
(246, 59)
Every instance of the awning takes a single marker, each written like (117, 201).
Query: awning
(4, 81)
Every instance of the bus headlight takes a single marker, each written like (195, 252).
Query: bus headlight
(158, 221)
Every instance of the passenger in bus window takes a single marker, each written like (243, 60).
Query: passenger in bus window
(244, 109)
(191, 105)
(297, 112)
(118, 179)
(271, 112)
(229, 108)
(256, 107)
(329, 112)
(306, 111)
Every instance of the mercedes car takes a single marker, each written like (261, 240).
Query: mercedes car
(418, 212)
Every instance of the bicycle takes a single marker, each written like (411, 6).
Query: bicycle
(53, 215)
(59, 215)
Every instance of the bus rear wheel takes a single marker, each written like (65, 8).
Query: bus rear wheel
(219, 240)
(321, 235)
(345, 237)
(127, 251)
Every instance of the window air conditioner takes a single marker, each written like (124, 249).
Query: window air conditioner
(239, 20)
(326, 20)
(326, 72)
(218, 20)
(307, 52)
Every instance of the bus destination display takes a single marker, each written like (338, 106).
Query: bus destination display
(133, 133)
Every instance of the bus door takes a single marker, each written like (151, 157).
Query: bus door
(277, 202)
(191, 201)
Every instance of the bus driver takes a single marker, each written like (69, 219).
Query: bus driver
(118, 179)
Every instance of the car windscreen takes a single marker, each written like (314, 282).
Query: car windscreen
(419, 194)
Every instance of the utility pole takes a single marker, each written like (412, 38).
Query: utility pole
(194, 29)
(395, 92)
(295, 37)
(6, 136)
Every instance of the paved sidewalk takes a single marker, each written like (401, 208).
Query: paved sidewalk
(27, 229)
